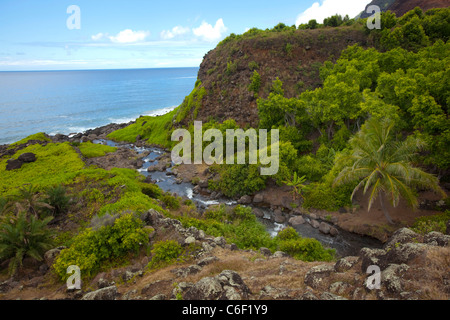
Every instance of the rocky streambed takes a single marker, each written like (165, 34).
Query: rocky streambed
(155, 164)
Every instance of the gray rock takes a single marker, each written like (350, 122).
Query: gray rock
(265, 251)
(334, 232)
(330, 296)
(189, 240)
(315, 275)
(391, 277)
(258, 212)
(324, 228)
(296, 221)
(220, 241)
(280, 254)
(184, 272)
(245, 200)
(108, 293)
(50, 256)
(308, 295)
(258, 198)
(159, 297)
(206, 261)
(401, 236)
(203, 183)
(345, 264)
(437, 238)
(13, 164)
(279, 217)
(404, 253)
(315, 224)
(339, 288)
(370, 257)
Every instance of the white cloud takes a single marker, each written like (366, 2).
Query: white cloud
(328, 8)
(130, 36)
(98, 36)
(208, 32)
(176, 31)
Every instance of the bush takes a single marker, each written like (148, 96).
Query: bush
(151, 190)
(57, 198)
(255, 84)
(91, 249)
(165, 252)
(306, 250)
(92, 150)
(170, 201)
(424, 225)
(24, 237)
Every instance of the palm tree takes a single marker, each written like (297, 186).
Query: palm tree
(297, 183)
(22, 236)
(381, 163)
(29, 200)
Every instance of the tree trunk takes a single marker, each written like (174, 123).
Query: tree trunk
(385, 211)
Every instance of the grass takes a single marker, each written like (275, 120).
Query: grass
(55, 164)
(156, 130)
(37, 136)
(92, 150)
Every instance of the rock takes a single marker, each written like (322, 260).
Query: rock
(159, 297)
(258, 198)
(50, 256)
(315, 275)
(324, 228)
(13, 164)
(401, 236)
(207, 260)
(345, 264)
(184, 272)
(370, 257)
(391, 277)
(280, 254)
(108, 293)
(308, 295)
(404, 254)
(330, 296)
(339, 288)
(437, 238)
(220, 241)
(313, 216)
(207, 247)
(265, 251)
(245, 200)
(315, 224)
(296, 221)
(258, 213)
(27, 157)
(203, 183)
(189, 240)
(278, 216)
(271, 293)
(103, 283)
(226, 286)
(334, 232)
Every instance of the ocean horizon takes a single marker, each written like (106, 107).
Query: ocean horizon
(72, 101)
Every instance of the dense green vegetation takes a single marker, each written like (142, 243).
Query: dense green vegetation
(36, 137)
(93, 150)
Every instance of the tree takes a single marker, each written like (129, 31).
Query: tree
(23, 236)
(297, 183)
(29, 200)
(381, 163)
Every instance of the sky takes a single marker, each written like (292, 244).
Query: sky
(113, 34)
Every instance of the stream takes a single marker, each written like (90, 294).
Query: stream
(345, 243)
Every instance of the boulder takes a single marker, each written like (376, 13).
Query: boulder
(437, 239)
(370, 257)
(258, 213)
(330, 296)
(50, 256)
(207, 260)
(334, 232)
(203, 183)
(13, 164)
(258, 198)
(403, 254)
(345, 264)
(265, 251)
(296, 221)
(27, 157)
(184, 272)
(108, 293)
(245, 200)
(315, 224)
(278, 216)
(391, 277)
(315, 275)
(401, 236)
(324, 228)
(226, 286)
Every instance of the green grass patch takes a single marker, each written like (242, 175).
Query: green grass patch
(55, 164)
(92, 150)
(37, 136)
(156, 130)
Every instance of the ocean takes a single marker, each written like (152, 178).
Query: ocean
(75, 101)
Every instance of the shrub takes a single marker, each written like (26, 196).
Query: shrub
(57, 198)
(24, 237)
(306, 249)
(424, 225)
(170, 201)
(91, 249)
(255, 84)
(165, 252)
(288, 233)
(253, 65)
(41, 136)
(151, 190)
(92, 150)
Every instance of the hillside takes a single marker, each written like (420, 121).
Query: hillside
(293, 56)
(400, 7)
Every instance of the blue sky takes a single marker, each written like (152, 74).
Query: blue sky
(34, 35)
